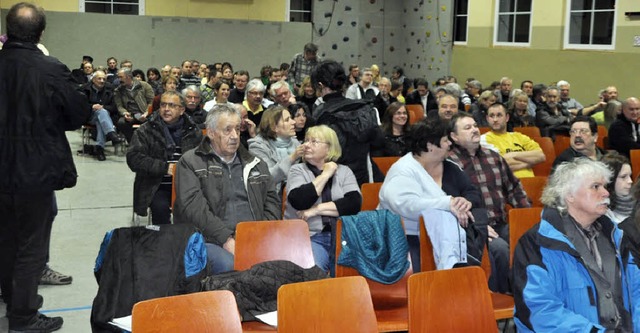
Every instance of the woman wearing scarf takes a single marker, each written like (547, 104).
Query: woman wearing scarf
(319, 190)
(276, 143)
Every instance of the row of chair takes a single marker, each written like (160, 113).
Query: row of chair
(454, 300)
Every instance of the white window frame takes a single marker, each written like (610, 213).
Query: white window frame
(141, 5)
(288, 11)
(497, 22)
(455, 16)
(567, 26)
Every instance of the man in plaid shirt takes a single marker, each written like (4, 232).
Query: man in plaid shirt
(491, 173)
(303, 64)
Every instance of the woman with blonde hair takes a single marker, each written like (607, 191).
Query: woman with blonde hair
(319, 190)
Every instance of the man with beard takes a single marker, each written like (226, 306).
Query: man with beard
(551, 117)
(584, 135)
(519, 150)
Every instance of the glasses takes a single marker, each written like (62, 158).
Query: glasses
(580, 131)
(255, 93)
(169, 105)
(314, 142)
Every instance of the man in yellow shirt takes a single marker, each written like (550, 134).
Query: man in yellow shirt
(520, 151)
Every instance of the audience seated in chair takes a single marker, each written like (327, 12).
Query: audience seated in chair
(155, 149)
(219, 184)
(319, 190)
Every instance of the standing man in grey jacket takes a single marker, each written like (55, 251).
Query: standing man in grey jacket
(38, 103)
(219, 184)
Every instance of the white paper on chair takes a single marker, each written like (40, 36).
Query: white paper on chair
(269, 318)
(122, 322)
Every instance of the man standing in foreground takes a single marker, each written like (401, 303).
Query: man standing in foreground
(36, 161)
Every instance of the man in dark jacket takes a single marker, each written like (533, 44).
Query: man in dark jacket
(38, 102)
(219, 184)
(624, 132)
(102, 108)
(422, 96)
(155, 149)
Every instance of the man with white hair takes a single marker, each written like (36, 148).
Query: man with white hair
(281, 93)
(568, 273)
(567, 102)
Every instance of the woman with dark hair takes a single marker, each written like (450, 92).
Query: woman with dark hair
(155, 80)
(169, 83)
(424, 181)
(303, 119)
(227, 74)
(395, 125)
(354, 121)
(622, 201)
(276, 143)
(221, 91)
(138, 74)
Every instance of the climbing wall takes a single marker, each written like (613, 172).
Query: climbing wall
(415, 34)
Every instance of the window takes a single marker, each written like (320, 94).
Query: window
(590, 24)
(126, 7)
(300, 11)
(460, 21)
(513, 23)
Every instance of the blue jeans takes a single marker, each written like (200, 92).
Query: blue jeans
(323, 251)
(104, 125)
(219, 259)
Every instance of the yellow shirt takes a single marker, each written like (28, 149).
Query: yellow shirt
(510, 142)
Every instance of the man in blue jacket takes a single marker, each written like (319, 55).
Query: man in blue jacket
(568, 273)
(38, 103)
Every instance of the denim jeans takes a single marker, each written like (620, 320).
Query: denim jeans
(323, 251)
(104, 125)
(219, 259)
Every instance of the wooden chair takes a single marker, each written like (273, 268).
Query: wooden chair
(370, 198)
(521, 220)
(603, 134)
(173, 186)
(544, 168)
(209, 311)
(385, 163)
(530, 131)
(416, 113)
(450, 300)
(561, 143)
(260, 241)
(502, 304)
(634, 157)
(389, 300)
(329, 305)
(534, 186)
(484, 129)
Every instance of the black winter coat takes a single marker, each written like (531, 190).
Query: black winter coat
(104, 97)
(148, 157)
(38, 103)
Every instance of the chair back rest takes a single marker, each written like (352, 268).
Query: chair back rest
(484, 129)
(370, 198)
(603, 134)
(201, 312)
(530, 131)
(634, 157)
(329, 305)
(260, 241)
(561, 143)
(534, 186)
(544, 168)
(416, 113)
(521, 220)
(450, 300)
(383, 295)
(385, 163)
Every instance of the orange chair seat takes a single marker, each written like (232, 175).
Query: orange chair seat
(393, 319)
(502, 306)
(256, 327)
